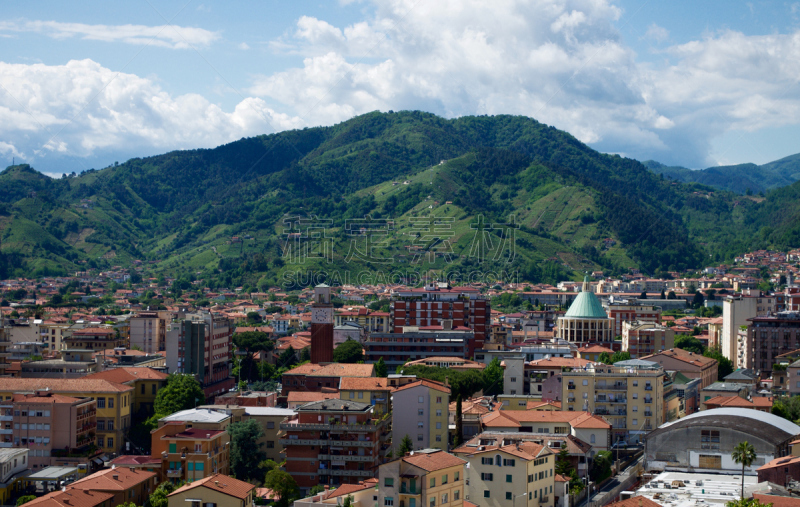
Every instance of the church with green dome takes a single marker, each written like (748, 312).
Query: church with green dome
(586, 321)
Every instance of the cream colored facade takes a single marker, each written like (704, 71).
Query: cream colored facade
(53, 334)
(405, 483)
(506, 477)
(630, 398)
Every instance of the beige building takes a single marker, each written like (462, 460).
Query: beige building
(215, 490)
(516, 474)
(629, 395)
(373, 390)
(644, 338)
(736, 310)
(53, 334)
(426, 478)
(424, 417)
(148, 332)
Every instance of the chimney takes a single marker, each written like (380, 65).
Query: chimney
(216, 483)
(115, 477)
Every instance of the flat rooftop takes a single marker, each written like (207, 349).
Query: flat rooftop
(697, 488)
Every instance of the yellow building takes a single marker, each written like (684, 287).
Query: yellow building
(114, 403)
(216, 489)
(428, 477)
(425, 414)
(510, 474)
(53, 334)
(629, 395)
(373, 390)
(145, 382)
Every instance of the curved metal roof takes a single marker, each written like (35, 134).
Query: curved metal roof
(768, 426)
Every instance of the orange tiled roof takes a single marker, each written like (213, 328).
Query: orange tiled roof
(220, 483)
(77, 385)
(113, 479)
(432, 384)
(432, 461)
(128, 374)
(309, 396)
(364, 384)
(636, 501)
(72, 498)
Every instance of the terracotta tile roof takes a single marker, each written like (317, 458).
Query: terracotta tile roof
(595, 348)
(541, 405)
(309, 396)
(129, 374)
(52, 398)
(562, 478)
(128, 459)
(774, 500)
(92, 331)
(513, 418)
(684, 356)
(113, 479)
(221, 483)
(559, 362)
(347, 489)
(523, 450)
(333, 370)
(778, 462)
(78, 385)
(432, 384)
(729, 401)
(636, 501)
(364, 384)
(432, 461)
(72, 498)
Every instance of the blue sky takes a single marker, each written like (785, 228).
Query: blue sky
(686, 83)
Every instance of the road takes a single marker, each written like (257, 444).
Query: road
(602, 497)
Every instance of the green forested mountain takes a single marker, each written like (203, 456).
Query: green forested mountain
(741, 179)
(575, 209)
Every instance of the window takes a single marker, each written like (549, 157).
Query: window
(444, 498)
(487, 477)
(420, 424)
(635, 422)
(585, 382)
(153, 389)
(421, 412)
(173, 448)
(142, 389)
(513, 379)
(110, 425)
(444, 479)
(487, 461)
(635, 396)
(456, 476)
(438, 425)
(508, 495)
(352, 394)
(388, 482)
(270, 444)
(111, 403)
(101, 403)
(101, 425)
(591, 438)
(509, 462)
(457, 494)
(635, 383)
(100, 442)
(438, 413)
(508, 477)
(485, 493)
(438, 438)
(438, 399)
(433, 482)
(360, 395)
(110, 442)
(432, 503)
(421, 399)
(388, 501)
(636, 408)
(270, 425)
(419, 437)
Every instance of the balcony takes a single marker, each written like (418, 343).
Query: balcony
(648, 388)
(648, 414)
(611, 387)
(348, 473)
(7, 418)
(333, 427)
(345, 457)
(571, 387)
(342, 443)
(544, 499)
(4, 431)
(408, 491)
(648, 400)
(175, 474)
(618, 400)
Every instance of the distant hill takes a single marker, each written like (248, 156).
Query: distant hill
(219, 214)
(737, 178)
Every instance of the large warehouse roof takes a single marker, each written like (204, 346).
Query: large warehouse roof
(766, 425)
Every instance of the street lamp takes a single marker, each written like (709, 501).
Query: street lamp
(515, 499)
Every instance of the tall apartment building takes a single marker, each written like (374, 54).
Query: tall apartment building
(5, 342)
(189, 453)
(435, 303)
(52, 426)
(203, 348)
(114, 403)
(644, 338)
(629, 394)
(413, 343)
(736, 310)
(768, 337)
(94, 338)
(422, 414)
(334, 442)
(148, 332)
(53, 334)
(631, 311)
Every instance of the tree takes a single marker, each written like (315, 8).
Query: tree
(350, 351)
(319, 488)
(744, 453)
(406, 446)
(283, 485)
(564, 467)
(158, 498)
(643, 295)
(466, 383)
(181, 392)
(493, 378)
(380, 368)
(697, 299)
(662, 295)
(459, 436)
(690, 343)
(305, 354)
(622, 355)
(604, 358)
(287, 358)
(671, 295)
(601, 466)
(57, 299)
(246, 453)
(25, 499)
(724, 365)
(253, 341)
(747, 502)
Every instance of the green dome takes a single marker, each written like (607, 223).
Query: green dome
(586, 305)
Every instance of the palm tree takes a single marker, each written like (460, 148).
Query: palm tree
(745, 454)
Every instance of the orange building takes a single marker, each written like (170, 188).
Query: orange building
(126, 484)
(189, 453)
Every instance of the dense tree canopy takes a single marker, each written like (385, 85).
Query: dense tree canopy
(246, 453)
(350, 351)
(181, 392)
